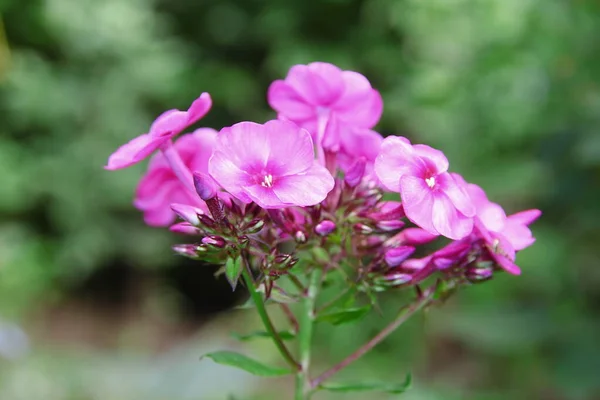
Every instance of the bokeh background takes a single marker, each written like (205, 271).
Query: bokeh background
(93, 304)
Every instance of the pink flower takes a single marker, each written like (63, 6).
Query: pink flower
(166, 126)
(323, 99)
(357, 144)
(160, 187)
(271, 164)
(503, 235)
(430, 196)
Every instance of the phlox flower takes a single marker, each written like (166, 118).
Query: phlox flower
(323, 99)
(166, 126)
(271, 164)
(357, 144)
(160, 187)
(430, 196)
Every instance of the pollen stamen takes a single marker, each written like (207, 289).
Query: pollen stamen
(430, 182)
(267, 181)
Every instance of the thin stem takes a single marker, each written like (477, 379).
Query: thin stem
(293, 321)
(264, 316)
(305, 335)
(404, 314)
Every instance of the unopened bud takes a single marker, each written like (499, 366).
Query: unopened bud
(416, 236)
(188, 250)
(205, 186)
(355, 173)
(397, 278)
(207, 221)
(185, 228)
(324, 228)
(215, 241)
(253, 226)
(388, 226)
(243, 241)
(187, 213)
(478, 274)
(300, 237)
(284, 261)
(362, 228)
(394, 257)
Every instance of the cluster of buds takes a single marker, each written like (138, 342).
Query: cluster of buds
(316, 178)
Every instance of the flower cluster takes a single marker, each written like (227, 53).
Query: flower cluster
(306, 197)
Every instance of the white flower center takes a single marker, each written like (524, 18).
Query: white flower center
(267, 181)
(430, 182)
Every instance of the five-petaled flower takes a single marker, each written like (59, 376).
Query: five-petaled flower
(165, 127)
(430, 196)
(272, 165)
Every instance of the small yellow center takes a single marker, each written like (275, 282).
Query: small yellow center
(430, 182)
(267, 181)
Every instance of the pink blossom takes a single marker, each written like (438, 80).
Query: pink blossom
(271, 164)
(323, 99)
(430, 196)
(359, 145)
(160, 187)
(166, 126)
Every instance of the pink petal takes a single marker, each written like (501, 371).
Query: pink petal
(202, 146)
(396, 159)
(247, 144)
(457, 195)
(286, 101)
(362, 142)
(417, 201)
(199, 108)
(291, 149)
(437, 158)
(447, 220)
(525, 217)
(133, 152)
(305, 189)
(188, 213)
(229, 176)
(169, 124)
(264, 196)
(360, 104)
(508, 265)
(318, 83)
(518, 235)
(159, 217)
(334, 131)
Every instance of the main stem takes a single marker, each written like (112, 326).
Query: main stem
(305, 334)
(404, 314)
(264, 316)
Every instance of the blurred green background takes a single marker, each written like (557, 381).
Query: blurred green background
(93, 304)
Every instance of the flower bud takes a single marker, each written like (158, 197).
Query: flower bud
(185, 228)
(205, 186)
(397, 278)
(388, 226)
(478, 274)
(362, 228)
(188, 250)
(207, 221)
(300, 237)
(416, 236)
(243, 241)
(253, 226)
(324, 228)
(394, 257)
(215, 241)
(187, 213)
(284, 261)
(355, 173)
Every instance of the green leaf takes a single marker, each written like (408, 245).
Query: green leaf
(233, 270)
(344, 316)
(284, 335)
(250, 365)
(377, 386)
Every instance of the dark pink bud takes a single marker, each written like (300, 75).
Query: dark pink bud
(187, 213)
(395, 256)
(479, 274)
(362, 228)
(253, 226)
(207, 221)
(397, 278)
(188, 250)
(451, 254)
(416, 236)
(185, 228)
(355, 173)
(243, 241)
(205, 186)
(300, 237)
(324, 228)
(215, 241)
(388, 226)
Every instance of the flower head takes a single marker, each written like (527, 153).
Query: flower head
(323, 99)
(166, 126)
(160, 187)
(430, 196)
(271, 164)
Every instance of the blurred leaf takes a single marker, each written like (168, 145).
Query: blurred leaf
(250, 365)
(369, 386)
(285, 335)
(344, 316)
(233, 270)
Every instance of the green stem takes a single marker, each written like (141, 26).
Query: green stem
(264, 316)
(305, 335)
(404, 314)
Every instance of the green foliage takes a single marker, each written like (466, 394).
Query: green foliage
(284, 335)
(250, 365)
(345, 316)
(369, 386)
(233, 270)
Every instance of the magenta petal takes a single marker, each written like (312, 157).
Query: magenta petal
(360, 104)
(264, 196)
(169, 124)
(291, 148)
(457, 195)
(448, 221)
(396, 159)
(229, 176)
(506, 264)
(525, 217)
(284, 99)
(159, 217)
(318, 83)
(518, 235)
(133, 152)
(305, 189)
(436, 157)
(362, 142)
(247, 144)
(199, 108)
(417, 201)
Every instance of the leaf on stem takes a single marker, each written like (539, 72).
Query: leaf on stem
(393, 388)
(245, 363)
(233, 270)
(344, 316)
(284, 335)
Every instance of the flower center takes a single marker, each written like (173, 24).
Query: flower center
(267, 181)
(430, 181)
